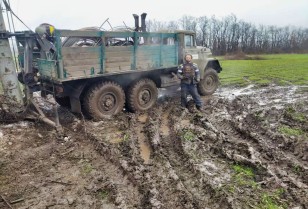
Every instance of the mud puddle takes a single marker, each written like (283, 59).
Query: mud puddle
(272, 95)
(145, 150)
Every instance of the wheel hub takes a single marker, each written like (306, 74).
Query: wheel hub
(144, 97)
(209, 81)
(107, 102)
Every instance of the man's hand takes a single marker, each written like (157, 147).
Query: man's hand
(179, 76)
(197, 80)
(176, 76)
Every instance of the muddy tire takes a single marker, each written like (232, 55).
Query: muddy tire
(63, 101)
(104, 99)
(209, 83)
(142, 95)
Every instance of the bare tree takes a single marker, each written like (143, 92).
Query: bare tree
(189, 23)
(154, 25)
(203, 23)
(173, 25)
(229, 35)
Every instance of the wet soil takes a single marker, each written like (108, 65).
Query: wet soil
(247, 149)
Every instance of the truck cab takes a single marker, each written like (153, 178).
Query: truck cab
(202, 56)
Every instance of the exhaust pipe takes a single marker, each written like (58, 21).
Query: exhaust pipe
(136, 17)
(143, 26)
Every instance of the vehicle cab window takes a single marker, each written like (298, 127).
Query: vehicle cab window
(189, 40)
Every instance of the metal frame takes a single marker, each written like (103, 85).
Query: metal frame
(103, 48)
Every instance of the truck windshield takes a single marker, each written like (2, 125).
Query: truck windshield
(189, 41)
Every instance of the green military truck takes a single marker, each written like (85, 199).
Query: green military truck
(99, 72)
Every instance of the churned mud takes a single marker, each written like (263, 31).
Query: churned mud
(247, 149)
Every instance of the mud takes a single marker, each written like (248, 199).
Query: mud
(248, 149)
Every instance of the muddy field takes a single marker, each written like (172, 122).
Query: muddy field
(248, 149)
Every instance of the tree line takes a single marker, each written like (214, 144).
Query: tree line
(231, 35)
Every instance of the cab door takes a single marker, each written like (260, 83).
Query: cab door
(190, 46)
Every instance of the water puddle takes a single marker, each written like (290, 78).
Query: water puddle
(185, 123)
(232, 93)
(272, 95)
(143, 118)
(145, 151)
(164, 128)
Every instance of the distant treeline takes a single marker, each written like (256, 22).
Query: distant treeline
(230, 35)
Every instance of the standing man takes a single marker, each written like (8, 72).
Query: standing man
(190, 76)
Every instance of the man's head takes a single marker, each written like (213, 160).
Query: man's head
(46, 30)
(188, 58)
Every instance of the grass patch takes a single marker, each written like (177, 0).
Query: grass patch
(87, 168)
(281, 69)
(187, 135)
(272, 201)
(259, 115)
(290, 131)
(126, 137)
(103, 194)
(294, 115)
(244, 176)
(246, 171)
(297, 169)
(243, 181)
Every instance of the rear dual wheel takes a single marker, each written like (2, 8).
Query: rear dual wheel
(142, 95)
(108, 98)
(104, 99)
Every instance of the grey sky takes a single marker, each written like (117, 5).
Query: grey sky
(77, 14)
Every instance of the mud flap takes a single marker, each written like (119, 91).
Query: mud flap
(74, 93)
(75, 104)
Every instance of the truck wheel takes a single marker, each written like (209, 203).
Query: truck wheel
(142, 95)
(209, 83)
(63, 101)
(103, 99)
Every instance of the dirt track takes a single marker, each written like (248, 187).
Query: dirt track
(234, 155)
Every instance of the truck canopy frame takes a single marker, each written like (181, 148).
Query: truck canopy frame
(109, 53)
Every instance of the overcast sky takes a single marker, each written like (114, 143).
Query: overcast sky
(69, 14)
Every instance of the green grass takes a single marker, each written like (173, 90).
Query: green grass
(297, 169)
(272, 201)
(188, 135)
(290, 131)
(297, 116)
(244, 176)
(246, 171)
(103, 194)
(87, 168)
(281, 69)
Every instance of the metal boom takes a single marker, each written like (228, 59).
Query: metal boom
(8, 74)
